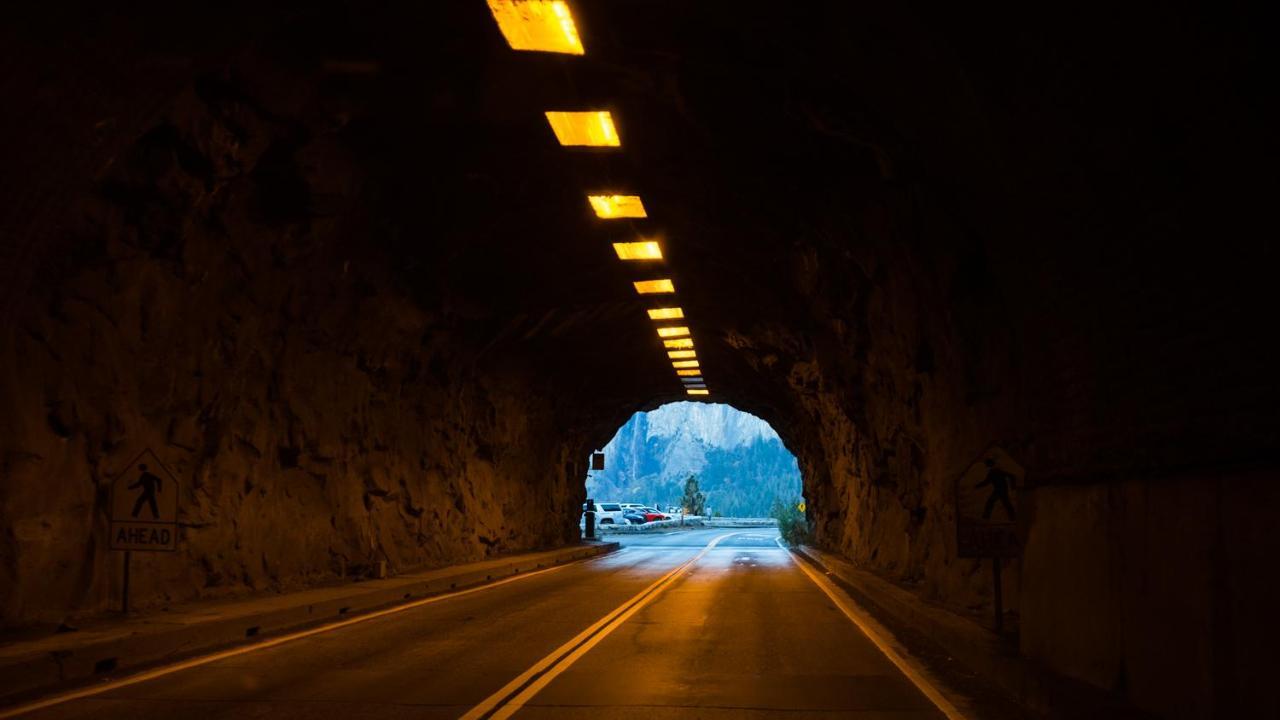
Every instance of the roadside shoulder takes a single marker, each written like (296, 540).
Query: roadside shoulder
(970, 658)
(29, 668)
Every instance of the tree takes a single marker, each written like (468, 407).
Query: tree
(792, 524)
(694, 502)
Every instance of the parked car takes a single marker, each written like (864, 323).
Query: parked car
(633, 516)
(651, 514)
(606, 513)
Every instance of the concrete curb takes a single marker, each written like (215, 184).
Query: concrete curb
(971, 645)
(28, 669)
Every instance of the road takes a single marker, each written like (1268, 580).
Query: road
(741, 632)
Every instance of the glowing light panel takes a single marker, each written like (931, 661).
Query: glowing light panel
(681, 354)
(540, 25)
(675, 331)
(684, 364)
(698, 391)
(611, 207)
(689, 373)
(593, 128)
(647, 250)
(678, 343)
(650, 287)
(671, 313)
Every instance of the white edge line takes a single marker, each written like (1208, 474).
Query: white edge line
(876, 634)
(265, 644)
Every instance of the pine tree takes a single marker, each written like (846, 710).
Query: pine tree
(694, 502)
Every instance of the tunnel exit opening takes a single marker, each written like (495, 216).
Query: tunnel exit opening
(690, 463)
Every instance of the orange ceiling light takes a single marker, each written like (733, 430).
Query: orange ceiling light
(653, 287)
(645, 250)
(593, 128)
(689, 373)
(673, 331)
(682, 354)
(684, 364)
(612, 207)
(678, 343)
(538, 25)
(668, 313)
(697, 391)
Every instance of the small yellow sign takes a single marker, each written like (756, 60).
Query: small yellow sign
(800, 506)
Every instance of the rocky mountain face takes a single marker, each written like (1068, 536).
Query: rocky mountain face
(741, 463)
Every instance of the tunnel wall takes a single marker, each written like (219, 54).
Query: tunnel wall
(215, 304)
(1073, 273)
(1149, 482)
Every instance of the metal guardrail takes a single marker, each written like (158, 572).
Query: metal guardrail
(686, 521)
(740, 522)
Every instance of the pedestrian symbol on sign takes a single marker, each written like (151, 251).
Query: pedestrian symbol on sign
(150, 485)
(1000, 482)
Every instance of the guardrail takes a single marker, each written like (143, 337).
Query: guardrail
(673, 523)
(740, 522)
(686, 521)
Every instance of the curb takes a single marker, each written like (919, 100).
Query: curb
(971, 645)
(25, 675)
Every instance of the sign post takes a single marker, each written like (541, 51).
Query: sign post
(144, 512)
(986, 515)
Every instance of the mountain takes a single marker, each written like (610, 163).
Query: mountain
(741, 463)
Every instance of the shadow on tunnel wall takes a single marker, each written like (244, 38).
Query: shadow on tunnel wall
(342, 312)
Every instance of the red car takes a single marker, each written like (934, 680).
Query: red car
(650, 515)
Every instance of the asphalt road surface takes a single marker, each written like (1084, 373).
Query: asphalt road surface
(664, 628)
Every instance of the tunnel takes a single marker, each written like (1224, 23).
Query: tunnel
(329, 263)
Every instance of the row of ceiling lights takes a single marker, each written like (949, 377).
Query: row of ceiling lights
(547, 26)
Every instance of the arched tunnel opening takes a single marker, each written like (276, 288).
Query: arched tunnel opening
(690, 462)
(1002, 284)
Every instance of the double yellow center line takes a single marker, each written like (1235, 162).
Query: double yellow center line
(517, 693)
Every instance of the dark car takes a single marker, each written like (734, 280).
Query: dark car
(635, 517)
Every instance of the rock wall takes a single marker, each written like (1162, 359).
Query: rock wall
(220, 305)
(1145, 507)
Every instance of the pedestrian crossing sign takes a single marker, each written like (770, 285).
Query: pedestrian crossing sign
(144, 506)
(987, 506)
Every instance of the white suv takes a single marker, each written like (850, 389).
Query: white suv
(607, 513)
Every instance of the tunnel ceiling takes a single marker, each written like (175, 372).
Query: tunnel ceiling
(795, 159)
(735, 135)
(745, 129)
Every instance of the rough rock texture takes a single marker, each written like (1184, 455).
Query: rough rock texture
(319, 421)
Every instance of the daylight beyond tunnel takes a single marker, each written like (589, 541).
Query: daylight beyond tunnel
(736, 460)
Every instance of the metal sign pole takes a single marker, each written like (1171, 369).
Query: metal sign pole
(999, 596)
(124, 590)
